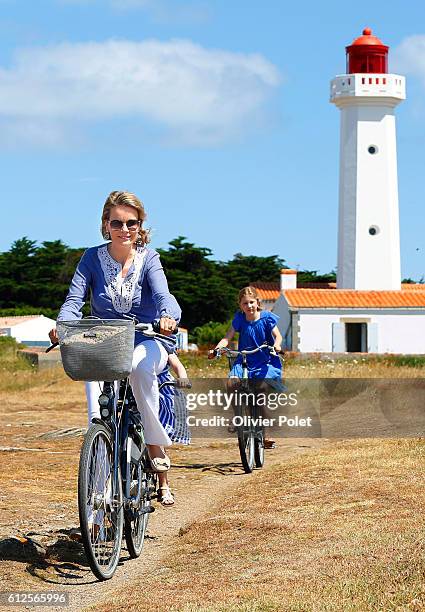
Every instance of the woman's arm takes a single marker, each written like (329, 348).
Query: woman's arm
(75, 300)
(277, 339)
(165, 302)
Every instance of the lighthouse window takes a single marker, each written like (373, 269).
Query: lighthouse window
(373, 149)
(373, 230)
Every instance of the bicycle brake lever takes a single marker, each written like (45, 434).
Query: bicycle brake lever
(52, 346)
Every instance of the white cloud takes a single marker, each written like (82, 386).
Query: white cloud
(409, 57)
(197, 94)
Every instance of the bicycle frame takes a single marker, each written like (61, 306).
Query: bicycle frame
(116, 415)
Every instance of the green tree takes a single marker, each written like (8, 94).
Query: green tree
(245, 269)
(311, 276)
(17, 271)
(197, 283)
(55, 264)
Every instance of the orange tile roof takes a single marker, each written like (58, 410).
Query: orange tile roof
(271, 290)
(349, 298)
(267, 291)
(413, 286)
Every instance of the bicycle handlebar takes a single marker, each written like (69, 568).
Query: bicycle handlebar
(52, 346)
(217, 353)
(151, 330)
(233, 353)
(180, 383)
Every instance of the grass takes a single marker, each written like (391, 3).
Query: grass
(17, 373)
(385, 366)
(342, 529)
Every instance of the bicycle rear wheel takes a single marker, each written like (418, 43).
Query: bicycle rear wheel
(258, 439)
(136, 519)
(259, 447)
(100, 503)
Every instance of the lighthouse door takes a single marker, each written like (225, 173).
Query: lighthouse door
(356, 337)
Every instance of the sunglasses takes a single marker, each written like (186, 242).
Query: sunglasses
(132, 224)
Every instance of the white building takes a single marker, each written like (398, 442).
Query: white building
(31, 330)
(369, 310)
(182, 339)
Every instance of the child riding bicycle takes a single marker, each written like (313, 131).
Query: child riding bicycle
(255, 327)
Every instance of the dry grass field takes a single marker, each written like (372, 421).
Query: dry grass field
(339, 529)
(326, 525)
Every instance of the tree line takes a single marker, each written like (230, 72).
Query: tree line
(35, 278)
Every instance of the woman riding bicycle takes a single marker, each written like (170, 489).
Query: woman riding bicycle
(126, 280)
(255, 327)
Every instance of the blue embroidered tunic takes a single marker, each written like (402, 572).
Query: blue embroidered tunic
(142, 294)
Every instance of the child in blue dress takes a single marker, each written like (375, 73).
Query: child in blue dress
(255, 327)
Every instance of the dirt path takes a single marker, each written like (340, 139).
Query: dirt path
(38, 474)
(202, 475)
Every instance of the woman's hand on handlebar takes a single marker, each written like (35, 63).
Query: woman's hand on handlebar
(53, 336)
(167, 325)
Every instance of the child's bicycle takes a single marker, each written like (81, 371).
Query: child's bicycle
(116, 483)
(248, 422)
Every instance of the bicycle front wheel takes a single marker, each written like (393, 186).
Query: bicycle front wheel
(246, 438)
(100, 502)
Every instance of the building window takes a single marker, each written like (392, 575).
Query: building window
(373, 230)
(372, 149)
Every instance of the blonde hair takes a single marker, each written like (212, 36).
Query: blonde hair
(124, 198)
(249, 292)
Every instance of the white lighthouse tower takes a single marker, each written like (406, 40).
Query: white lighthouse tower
(368, 232)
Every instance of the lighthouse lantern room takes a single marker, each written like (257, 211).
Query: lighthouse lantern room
(368, 231)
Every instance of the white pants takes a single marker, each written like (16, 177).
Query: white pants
(149, 358)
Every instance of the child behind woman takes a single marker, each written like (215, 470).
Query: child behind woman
(172, 402)
(255, 327)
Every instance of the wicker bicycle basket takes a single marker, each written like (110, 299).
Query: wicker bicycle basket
(96, 349)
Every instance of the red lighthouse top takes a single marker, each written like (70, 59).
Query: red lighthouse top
(367, 54)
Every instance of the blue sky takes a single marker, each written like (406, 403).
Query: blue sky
(215, 112)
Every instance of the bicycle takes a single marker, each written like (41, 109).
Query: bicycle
(116, 483)
(247, 419)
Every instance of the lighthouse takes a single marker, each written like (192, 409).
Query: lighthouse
(368, 227)
(369, 310)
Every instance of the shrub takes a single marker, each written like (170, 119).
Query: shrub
(8, 346)
(210, 333)
(410, 361)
